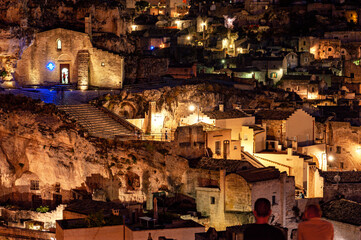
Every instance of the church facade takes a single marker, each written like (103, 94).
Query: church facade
(61, 56)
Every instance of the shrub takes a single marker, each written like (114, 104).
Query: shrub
(43, 209)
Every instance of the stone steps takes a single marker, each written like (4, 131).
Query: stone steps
(98, 123)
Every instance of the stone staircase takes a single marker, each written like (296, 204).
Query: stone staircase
(99, 123)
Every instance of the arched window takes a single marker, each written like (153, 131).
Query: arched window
(58, 44)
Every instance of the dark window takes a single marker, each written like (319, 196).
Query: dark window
(330, 149)
(218, 148)
(352, 75)
(338, 150)
(57, 187)
(313, 89)
(304, 43)
(341, 165)
(273, 200)
(34, 185)
(213, 200)
(329, 49)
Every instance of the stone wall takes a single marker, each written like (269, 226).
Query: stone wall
(146, 68)
(351, 191)
(238, 194)
(47, 218)
(106, 69)
(11, 233)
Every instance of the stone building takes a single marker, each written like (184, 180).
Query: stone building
(273, 67)
(288, 127)
(226, 197)
(343, 144)
(61, 56)
(306, 86)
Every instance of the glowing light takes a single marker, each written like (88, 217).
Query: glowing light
(223, 61)
(151, 47)
(231, 46)
(203, 24)
(162, 45)
(189, 38)
(50, 66)
(331, 158)
(358, 150)
(134, 27)
(192, 108)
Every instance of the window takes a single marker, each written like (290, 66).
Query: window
(213, 200)
(329, 49)
(304, 43)
(218, 148)
(313, 89)
(273, 200)
(57, 187)
(273, 75)
(306, 60)
(330, 149)
(352, 75)
(338, 149)
(341, 165)
(235, 147)
(34, 185)
(245, 137)
(58, 44)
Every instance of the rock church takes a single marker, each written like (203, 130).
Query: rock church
(61, 56)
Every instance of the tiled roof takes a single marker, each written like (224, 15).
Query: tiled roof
(343, 210)
(297, 77)
(88, 206)
(241, 167)
(227, 114)
(344, 177)
(273, 114)
(260, 174)
(256, 128)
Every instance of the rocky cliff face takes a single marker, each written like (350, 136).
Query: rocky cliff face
(173, 102)
(38, 143)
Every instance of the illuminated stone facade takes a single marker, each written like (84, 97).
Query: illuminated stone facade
(62, 56)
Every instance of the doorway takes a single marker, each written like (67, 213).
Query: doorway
(64, 73)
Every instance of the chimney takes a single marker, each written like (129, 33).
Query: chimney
(221, 107)
(155, 208)
(88, 26)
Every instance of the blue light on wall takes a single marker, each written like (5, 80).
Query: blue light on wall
(50, 66)
(151, 47)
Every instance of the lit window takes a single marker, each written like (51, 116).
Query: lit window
(58, 44)
(34, 185)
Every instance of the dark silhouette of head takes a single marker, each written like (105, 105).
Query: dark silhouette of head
(262, 208)
(312, 211)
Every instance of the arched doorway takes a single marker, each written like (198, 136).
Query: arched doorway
(64, 73)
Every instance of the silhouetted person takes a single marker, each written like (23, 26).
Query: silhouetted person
(314, 227)
(261, 230)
